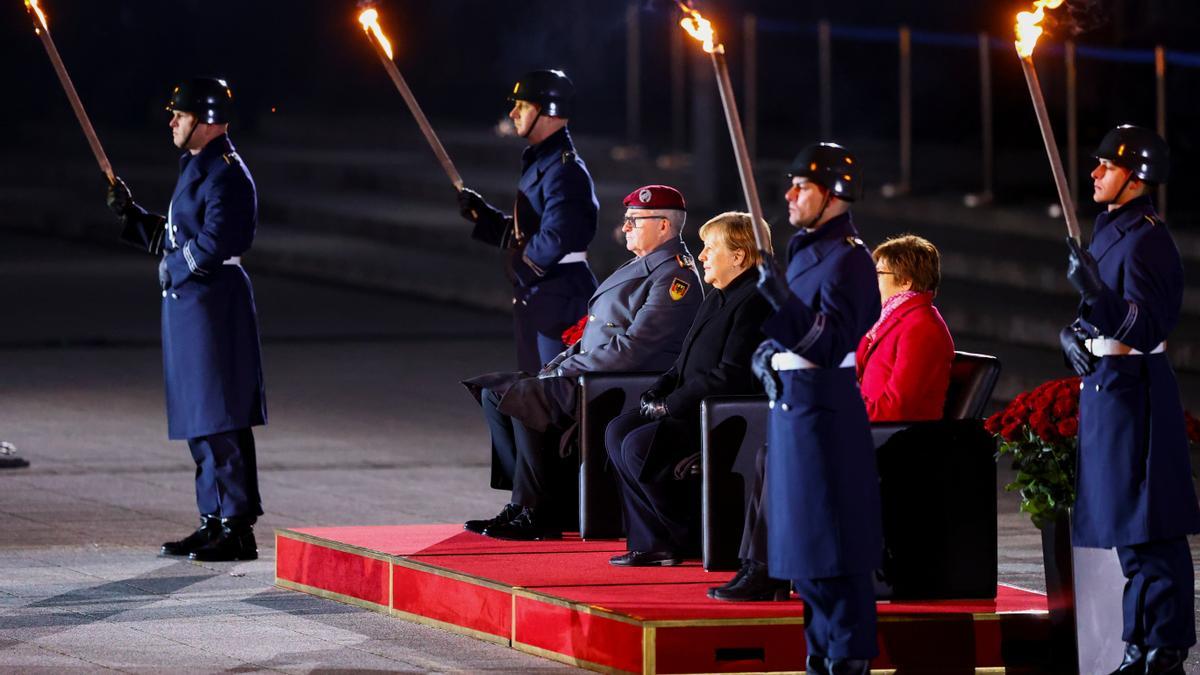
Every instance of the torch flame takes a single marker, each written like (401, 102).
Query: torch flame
(701, 28)
(32, 6)
(1029, 27)
(369, 18)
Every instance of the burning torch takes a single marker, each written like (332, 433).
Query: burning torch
(701, 29)
(369, 18)
(42, 28)
(1028, 28)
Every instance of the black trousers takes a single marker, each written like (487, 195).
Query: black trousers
(660, 515)
(754, 533)
(1158, 602)
(226, 474)
(839, 616)
(530, 458)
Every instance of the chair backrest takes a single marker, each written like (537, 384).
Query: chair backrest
(972, 379)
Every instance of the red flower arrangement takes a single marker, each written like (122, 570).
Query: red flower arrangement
(1039, 429)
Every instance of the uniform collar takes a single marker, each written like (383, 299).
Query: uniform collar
(665, 251)
(834, 230)
(553, 146)
(1128, 214)
(216, 148)
(746, 278)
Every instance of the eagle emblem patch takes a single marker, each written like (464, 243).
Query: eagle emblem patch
(679, 288)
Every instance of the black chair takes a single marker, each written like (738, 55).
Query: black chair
(940, 542)
(602, 397)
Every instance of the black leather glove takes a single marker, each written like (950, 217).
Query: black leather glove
(164, 274)
(1082, 272)
(760, 365)
(655, 409)
(1078, 357)
(474, 207)
(119, 198)
(772, 283)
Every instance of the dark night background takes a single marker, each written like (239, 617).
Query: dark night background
(308, 59)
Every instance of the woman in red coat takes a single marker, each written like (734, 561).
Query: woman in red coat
(903, 362)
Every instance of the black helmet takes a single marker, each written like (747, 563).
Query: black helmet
(551, 89)
(830, 166)
(208, 98)
(1138, 149)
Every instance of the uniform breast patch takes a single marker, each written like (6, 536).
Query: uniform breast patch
(679, 288)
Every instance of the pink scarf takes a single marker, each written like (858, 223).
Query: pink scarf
(890, 306)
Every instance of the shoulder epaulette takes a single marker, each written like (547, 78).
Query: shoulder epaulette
(684, 260)
(855, 241)
(231, 158)
(568, 156)
(1153, 220)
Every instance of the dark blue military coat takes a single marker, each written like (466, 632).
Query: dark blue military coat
(554, 216)
(822, 495)
(1134, 481)
(211, 351)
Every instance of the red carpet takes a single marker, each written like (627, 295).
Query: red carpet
(562, 600)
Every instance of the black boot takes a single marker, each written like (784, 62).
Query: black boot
(737, 578)
(235, 542)
(210, 527)
(506, 514)
(529, 525)
(1134, 661)
(847, 666)
(754, 586)
(1166, 660)
(815, 665)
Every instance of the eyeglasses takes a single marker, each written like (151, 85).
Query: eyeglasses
(632, 222)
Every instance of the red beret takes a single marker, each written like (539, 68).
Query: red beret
(655, 197)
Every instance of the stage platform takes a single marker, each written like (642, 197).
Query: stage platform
(563, 601)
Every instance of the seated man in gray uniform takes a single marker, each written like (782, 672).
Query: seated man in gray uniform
(636, 321)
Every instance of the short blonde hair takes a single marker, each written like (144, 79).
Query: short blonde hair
(732, 229)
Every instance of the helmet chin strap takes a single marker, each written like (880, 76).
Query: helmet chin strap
(812, 223)
(189, 136)
(1121, 190)
(533, 124)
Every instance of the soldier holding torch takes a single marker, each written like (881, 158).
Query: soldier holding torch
(545, 238)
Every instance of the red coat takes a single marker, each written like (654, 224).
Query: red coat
(905, 371)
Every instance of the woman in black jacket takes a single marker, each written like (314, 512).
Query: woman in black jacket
(662, 512)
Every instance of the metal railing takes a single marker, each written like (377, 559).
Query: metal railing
(905, 38)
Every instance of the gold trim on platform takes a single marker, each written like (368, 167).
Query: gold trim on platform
(420, 566)
(452, 627)
(563, 658)
(649, 650)
(331, 595)
(330, 544)
(576, 606)
(745, 621)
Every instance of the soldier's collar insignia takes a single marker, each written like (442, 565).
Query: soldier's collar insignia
(679, 288)
(684, 260)
(855, 241)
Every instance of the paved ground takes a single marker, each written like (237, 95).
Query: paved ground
(368, 426)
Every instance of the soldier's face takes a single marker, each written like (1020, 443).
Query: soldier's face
(182, 124)
(804, 200)
(643, 232)
(1107, 179)
(524, 115)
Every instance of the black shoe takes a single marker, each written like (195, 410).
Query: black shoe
(234, 542)
(737, 578)
(1166, 660)
(9, 459)
(754, 586)
(528, 525)
(815, 665)
(1134, 661)
(210, 527)
(506, 514)
(847, 666)
(644, 559)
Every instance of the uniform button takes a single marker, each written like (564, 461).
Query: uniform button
(591, 317)
(771, 405)
(174, 296)
(1097, 387)
(164, 294)
(785, 407)
(514, 301)
(611, 324)
(582, 350)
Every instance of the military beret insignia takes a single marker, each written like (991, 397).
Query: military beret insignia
(679, 288)
(644, 196)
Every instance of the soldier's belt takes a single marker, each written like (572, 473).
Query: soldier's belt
(1110, 347)
(577, 256)
(793, 361)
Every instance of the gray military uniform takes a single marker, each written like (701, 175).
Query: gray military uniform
(638, 316)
